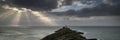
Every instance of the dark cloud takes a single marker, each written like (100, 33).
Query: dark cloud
(40, 4)
(34, 4)
(67, 2)
(99, 10)
(111, 2)
(102, 9)
(107, 1)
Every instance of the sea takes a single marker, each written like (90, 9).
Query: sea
(39, 32)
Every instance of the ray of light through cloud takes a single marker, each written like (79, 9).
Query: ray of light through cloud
(6, 14)
(17, 15)
(15, 21)
(28, 18)
(18, 12)
(44, 18)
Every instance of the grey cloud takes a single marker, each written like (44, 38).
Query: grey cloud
(99, 10)
(67, 2)
(111, 2)
(33, 4)
(107, 1)
(39, 4)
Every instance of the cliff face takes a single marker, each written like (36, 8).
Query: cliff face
(65, 34)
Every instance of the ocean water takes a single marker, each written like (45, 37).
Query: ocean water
(36, 33)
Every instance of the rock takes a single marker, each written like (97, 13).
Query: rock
(66, 33)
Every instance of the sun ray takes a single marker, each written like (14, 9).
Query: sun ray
(3, 14)
(28, 19)
(17, 13)
(15, 21)
(6, 14)
(48, 21)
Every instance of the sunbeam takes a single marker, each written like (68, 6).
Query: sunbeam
(45, 19)
(17, 15)
(18, 12)
(3, 14)
(6, 14)
(15, 21)
(28, 19)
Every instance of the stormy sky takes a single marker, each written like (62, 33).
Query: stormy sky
(60, 12)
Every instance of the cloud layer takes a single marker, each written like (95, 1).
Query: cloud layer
(41, 4)
(103, 8)
(33, 4)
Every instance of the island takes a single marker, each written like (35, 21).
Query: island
(66, 33)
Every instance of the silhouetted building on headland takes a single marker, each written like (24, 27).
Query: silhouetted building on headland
(66, 33)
